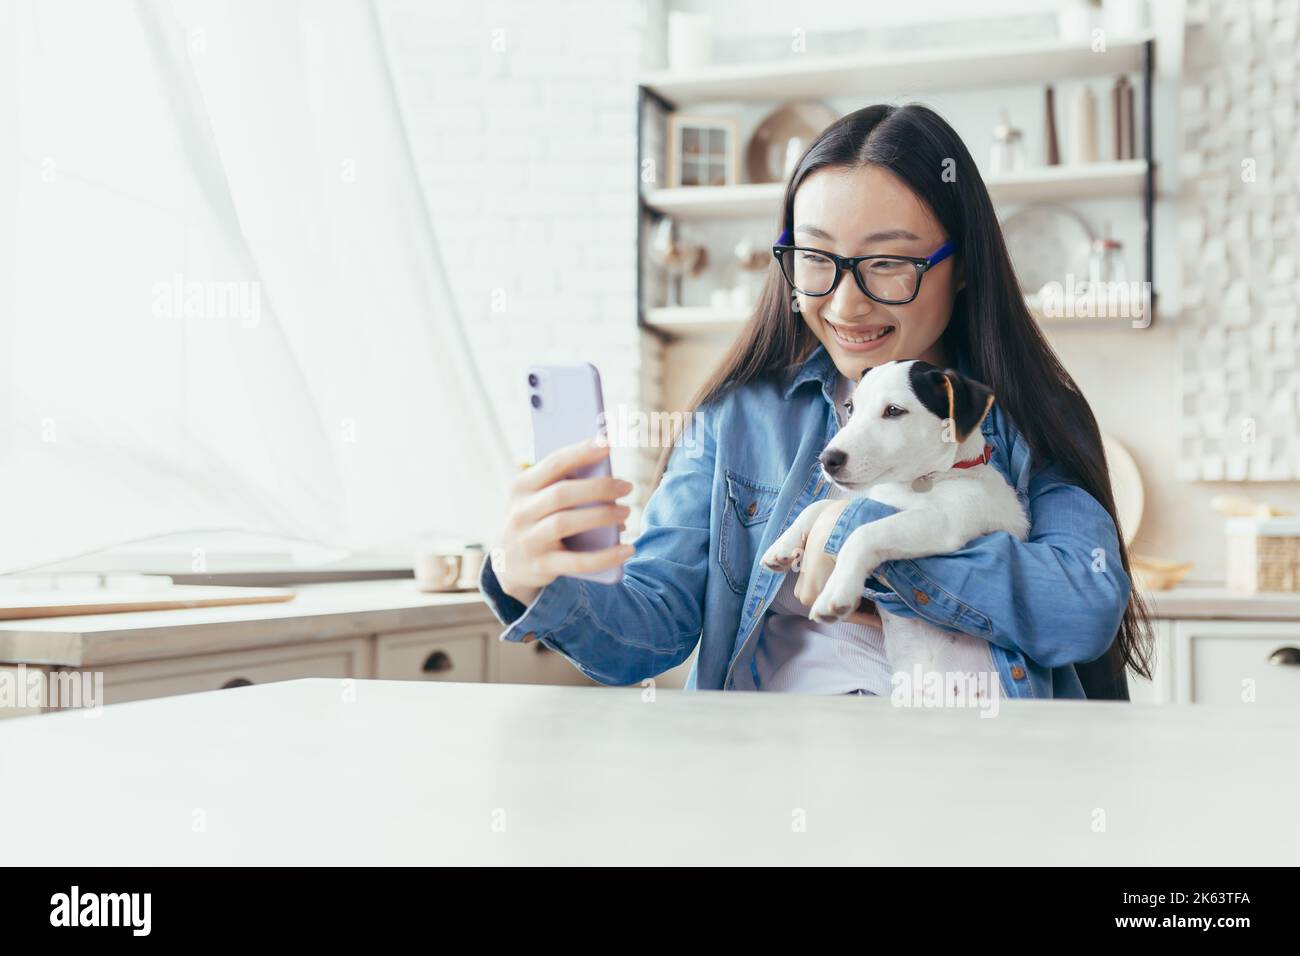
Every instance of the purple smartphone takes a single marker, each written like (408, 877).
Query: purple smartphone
(567, 408)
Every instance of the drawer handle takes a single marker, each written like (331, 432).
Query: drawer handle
(237, 682)
(1285, 656)
(437, 662)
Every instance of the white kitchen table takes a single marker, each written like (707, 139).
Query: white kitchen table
(335, 772)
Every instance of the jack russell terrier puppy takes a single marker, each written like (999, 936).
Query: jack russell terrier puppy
(912, 441)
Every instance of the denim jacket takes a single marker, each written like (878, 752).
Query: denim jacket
(744, 470)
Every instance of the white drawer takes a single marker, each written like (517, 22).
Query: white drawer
(452, 654)
(1229, 662)
(347, 657)
(535, 663)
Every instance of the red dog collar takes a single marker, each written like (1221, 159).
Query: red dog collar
(981, 459)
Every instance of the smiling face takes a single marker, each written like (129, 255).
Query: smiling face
(862, 211)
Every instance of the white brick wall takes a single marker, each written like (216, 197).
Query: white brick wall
(522, 117)
(1241, 333)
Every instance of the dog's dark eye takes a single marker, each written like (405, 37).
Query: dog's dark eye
(893, 411)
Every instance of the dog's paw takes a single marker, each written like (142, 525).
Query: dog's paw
(830, 613)
(779, 558)
(838, 600)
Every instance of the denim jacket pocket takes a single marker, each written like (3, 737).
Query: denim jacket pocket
(749, 505)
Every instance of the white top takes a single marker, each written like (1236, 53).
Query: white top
(359, 773)
(799, 655)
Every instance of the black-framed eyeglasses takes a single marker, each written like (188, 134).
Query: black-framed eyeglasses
(891, 280)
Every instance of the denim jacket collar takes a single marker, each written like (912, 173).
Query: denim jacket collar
(818, 366)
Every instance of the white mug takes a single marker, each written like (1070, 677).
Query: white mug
(471, 563)
(437, 570)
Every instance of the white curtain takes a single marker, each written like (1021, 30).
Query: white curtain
(224, 304)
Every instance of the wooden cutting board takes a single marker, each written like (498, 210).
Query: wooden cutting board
(16, 606)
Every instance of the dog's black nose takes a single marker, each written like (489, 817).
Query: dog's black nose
(833, 460)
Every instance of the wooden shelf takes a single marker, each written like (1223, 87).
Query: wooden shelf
(1125, 178)
(696, 321)
(745, 201)
(1105, 180)
(897, 73)
(897, 76)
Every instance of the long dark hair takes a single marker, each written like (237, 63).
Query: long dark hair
(990, 326)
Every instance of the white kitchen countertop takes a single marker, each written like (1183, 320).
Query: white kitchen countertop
(358, 608)
(317, 612)
(1215, 602)
(445, 773)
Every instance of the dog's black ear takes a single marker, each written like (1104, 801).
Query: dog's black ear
(949, 394)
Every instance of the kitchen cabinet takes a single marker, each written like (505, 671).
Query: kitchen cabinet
(1212, 646)
(188, 675)
(1215, 646)
(374, 629)
(459, 654)
(1236, 662)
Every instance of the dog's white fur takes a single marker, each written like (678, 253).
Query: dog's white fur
(885, 457)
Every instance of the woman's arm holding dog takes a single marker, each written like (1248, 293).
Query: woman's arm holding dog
(1058, 596)
(651, 621)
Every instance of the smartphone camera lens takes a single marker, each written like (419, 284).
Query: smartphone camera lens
(532, 380)
(537, 401)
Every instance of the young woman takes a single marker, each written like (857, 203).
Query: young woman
(1057, 610)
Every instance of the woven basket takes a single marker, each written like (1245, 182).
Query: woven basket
(1263, 554)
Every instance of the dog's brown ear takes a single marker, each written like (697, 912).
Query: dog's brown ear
(949, 394)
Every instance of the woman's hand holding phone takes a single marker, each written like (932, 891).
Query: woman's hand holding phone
(544, 507)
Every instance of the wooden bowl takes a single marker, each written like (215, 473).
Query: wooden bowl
(1153, 574)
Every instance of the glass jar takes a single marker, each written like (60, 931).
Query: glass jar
(1106, 263)
(1008, 151)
